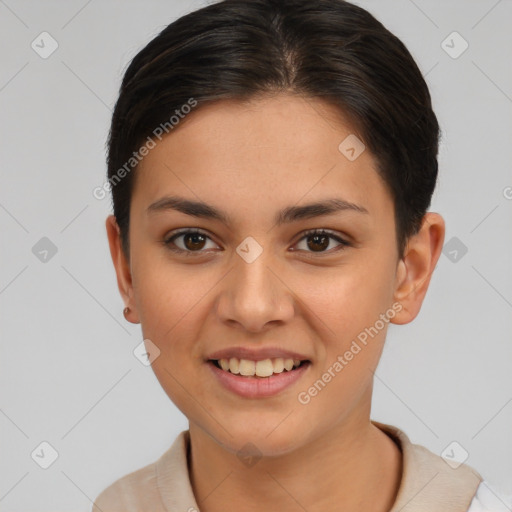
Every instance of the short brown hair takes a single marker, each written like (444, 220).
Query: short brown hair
(328, 49)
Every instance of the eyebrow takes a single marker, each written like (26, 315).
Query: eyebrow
(286, 215)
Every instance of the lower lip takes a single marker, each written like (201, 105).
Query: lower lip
(258, 387)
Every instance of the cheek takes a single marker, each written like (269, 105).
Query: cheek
(171, 301)
(346, 299)
(168, 296)
(347, 318)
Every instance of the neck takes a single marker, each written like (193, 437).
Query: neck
(354, 466)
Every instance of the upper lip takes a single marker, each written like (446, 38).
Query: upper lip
(253, 354)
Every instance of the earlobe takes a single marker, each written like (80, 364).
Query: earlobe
(415, 269)
(122, 268)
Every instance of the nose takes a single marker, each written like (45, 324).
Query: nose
(254, 297)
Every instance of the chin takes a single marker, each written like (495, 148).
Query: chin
(261, 436)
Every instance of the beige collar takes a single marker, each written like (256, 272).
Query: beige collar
(428, 483)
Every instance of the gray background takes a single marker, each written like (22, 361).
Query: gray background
(67, 372)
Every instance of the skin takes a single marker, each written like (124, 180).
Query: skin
(251, 160)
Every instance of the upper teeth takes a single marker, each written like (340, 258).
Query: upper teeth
(264, 368)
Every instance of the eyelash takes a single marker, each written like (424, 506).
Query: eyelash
(312, 232)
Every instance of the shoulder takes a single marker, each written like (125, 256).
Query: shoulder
(132, 492)
(489, 499)
(151, 487)
(429, 481)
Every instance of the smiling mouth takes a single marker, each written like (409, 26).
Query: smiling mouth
(263, 368)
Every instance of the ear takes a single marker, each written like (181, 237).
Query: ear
(122, 267)
(416, 267)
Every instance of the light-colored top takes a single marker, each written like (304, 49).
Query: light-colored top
(488, 499)
(428, 483)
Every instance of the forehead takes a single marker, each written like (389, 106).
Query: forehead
(279, 147)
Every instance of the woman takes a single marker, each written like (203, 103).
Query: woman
(271, 165)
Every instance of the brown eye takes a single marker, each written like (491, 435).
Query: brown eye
(318, 241)
(189, 242)
(194, 241)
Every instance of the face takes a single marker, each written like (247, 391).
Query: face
(232, 266)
